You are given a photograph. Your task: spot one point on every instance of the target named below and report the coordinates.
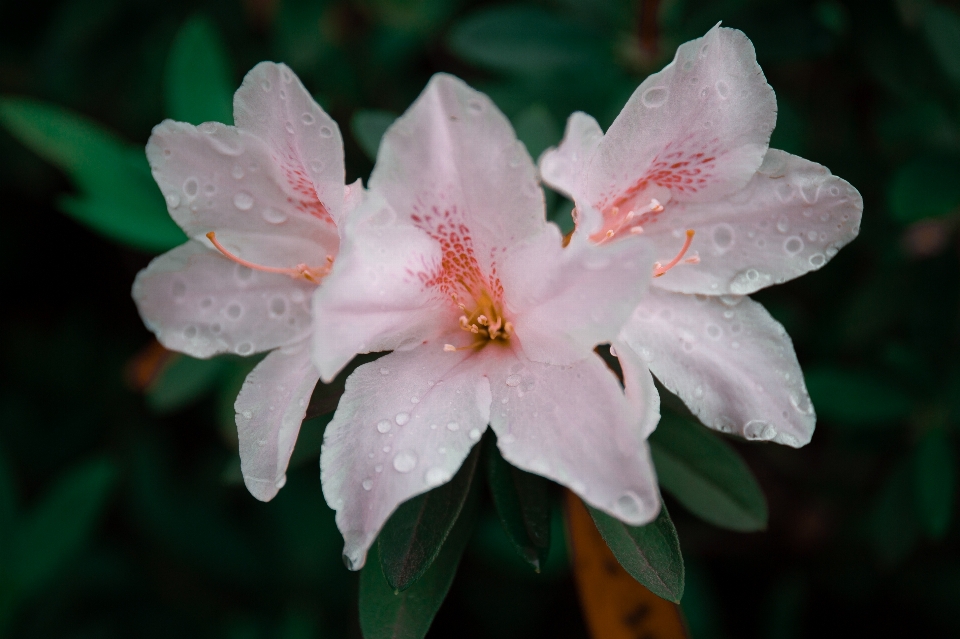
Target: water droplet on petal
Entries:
(628, 505)
(237, 172)
(654, 97)
(723, 89)
(817, 260)
(475, 107)
(234, 311)
(723, 235)
(759, 430)
(404, 461)
(513, 380)
(274, 216)
(367, 484)
(278, 306)
(474, 434)
(402, 418)
(453, 426)
(384, 426)
(243, 201)
(326, 132)
(243, 348)
(173, 200)
(436, 476)
(307, 118)
(191, 187)
(384, 371)
(793, 245)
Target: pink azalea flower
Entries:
(451, 265)
(686, 165)
(261, 202)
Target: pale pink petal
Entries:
(376, 298)
(565, 301)
(730, 362)
(404, 425)
(638, 386)
(695, 131)
(453, 166)
(791, 218)
(574, 425)
(200, 303)
(562, 168)
(270, 408)
(304, 141)
(226, 180)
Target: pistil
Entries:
(312, 274)
(659, 269)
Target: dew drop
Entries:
(811, 236)
(234, 311)
(414, 400)
(759, 430)
(278, 306)
(628, 505)
(453, 426)
(289, 127)
(243, 348)
(307, 118)
(404, 461)
(402, 418)
(654, 97)
(817, 260)
(215, 328)
(698, 392)
(367, 484)
(280, 483)
(243, 201)
(474, 434)
(273, 216)
(326, 132)
(714, 331)
(265, 85)
(513, 380)
(209, 189)
(191, 187)
(723, 235)
(475, 107)
(190, 332)
(384, 370)
(723, 89)
(237, 172)
(436, 476)
(173, 200)
(793, 245)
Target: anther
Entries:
(482, 320)
(311, 274)
(660, 269)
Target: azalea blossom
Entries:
(686, 164)
(260, 202)
(451, 264)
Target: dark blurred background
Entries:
(121, 509)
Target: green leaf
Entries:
(387, 614)
(118, 196)
(942, 27)
(856, 398)
(707, 475)
(537, 129)
(368, 127)
(57, 527)
(522, 501)
(413, 536)
(651, 553)
(522, 40)
(199, 84)
(892, 522)
(925, 187)
(182, 381)
(934, 481)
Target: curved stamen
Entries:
(660, 269)
(301, 271)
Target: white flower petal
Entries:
(452, 165)
(273, 104)
(791, 218)
(567, 300)
(697, 129)
(270, 408)
(563, 167)
(573, 424)
(200, 303)
(730, 362)
(404, 425)
(375, 298)
(638, 387)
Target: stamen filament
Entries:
(659, 269)
(311, 274)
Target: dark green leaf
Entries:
(892, 523)
(183, 380)
(413, 536)
(57, 527)
(934, 481)
(525, 40)
(537, 129)
(387, 614)
(856, 398)
(942, 27)
(925, 187)
(651, 553)
(707, 475)
(368, 127)
(522, 500)
(119, 198)
(199, 84)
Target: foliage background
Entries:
(120, 510)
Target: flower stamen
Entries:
(659, 269)
(312, 274)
